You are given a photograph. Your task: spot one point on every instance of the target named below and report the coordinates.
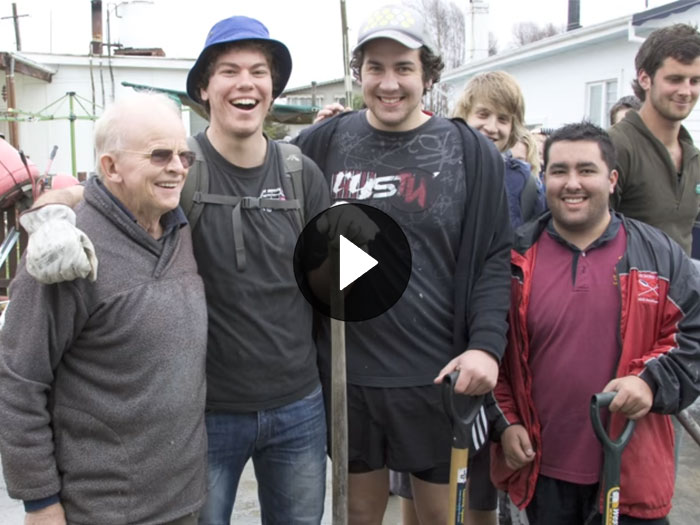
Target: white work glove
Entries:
(57, 251)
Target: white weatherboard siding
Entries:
(555, 87)
(73, 74)
(554, 73)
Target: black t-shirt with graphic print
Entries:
(260, 350)
(416, 177)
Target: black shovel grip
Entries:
(461, 409)
(603, 400)
(612, 452)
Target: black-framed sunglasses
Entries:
(162, 156)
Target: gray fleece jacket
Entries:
(102, 385)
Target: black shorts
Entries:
(482, 494)
(405, 429)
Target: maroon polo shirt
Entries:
(573, 325)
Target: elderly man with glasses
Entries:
(102, 379)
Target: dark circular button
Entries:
(356, 247)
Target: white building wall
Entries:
(554, 81)
(555, 87)
(38, 137)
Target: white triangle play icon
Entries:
(354, 263)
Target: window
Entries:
(304, 100)
(600, 97)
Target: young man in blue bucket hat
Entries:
(263, 392)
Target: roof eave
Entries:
(25, 66)
(556, 44)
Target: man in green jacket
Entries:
(657, 163)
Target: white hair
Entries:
(116, 120)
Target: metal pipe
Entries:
(71, 118)
(690, 425)
(109, 57)
(96, 27)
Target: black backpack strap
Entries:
(197, 181)
(238, 204)
(528, 198)
(293, 169)
(472, 160)
(195, 194)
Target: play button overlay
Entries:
(357, 254)
(354, 263)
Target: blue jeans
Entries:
(288, 447)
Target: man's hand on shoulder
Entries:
(51, 515)
(517, 447)
(478, 372)
(634, 396)
(57, 251)
(331, 110)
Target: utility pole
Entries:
(15, 17)
(346, 56)
(10, 79)
(11, 99)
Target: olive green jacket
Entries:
(649, 188)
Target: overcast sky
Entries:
(310, 28)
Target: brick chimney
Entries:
(96, 42)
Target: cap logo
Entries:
(390, 17)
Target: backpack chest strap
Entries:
(239, 203)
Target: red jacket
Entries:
(660, 343)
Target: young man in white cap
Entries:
(443, 184)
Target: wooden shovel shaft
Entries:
(458, 483)
(339, 424)
(339, 405)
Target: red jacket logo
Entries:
(648, 288)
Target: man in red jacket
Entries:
(600, 303)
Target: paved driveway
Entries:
(686, 503)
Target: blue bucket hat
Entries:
(237, 29)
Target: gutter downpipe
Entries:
(632, 35)
(72, 118)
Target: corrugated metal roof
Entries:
(284, 113)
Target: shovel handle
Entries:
(612, 450)
(461, 409)
(603, 400)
